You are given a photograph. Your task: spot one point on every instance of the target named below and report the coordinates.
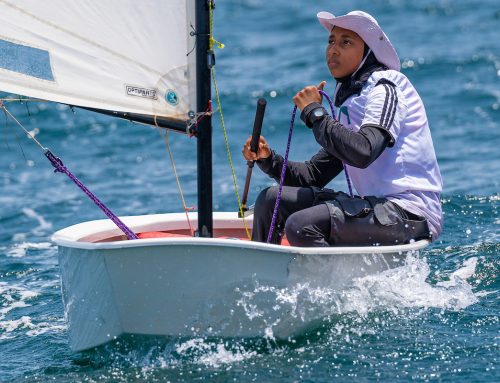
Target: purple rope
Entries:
(57, 163)
(283, 170)
(285, 160)
(348, 179)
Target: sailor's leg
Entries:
(389, 225)
(309, 227)
(292, 200)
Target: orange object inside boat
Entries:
(167, 234)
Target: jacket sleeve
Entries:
(318, 171)
(358, 149)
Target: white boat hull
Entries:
(192, 286)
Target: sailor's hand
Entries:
(308, 95)
(263, 152)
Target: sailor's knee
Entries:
(266, 198)
(294, 229)
(337, 220)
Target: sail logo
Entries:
(141, 92)
(171, 97)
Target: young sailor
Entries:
(382, 138)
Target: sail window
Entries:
(26, 60)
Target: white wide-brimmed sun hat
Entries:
(368, 29)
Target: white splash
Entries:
(466, 271)
(43, 225)
(407, 287)
(213, 354)
(298, 306)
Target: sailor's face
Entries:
(344, 52)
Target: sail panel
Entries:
(117, 55)
(25, 60)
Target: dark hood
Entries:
(350, 84)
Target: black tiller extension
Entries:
(254, 147)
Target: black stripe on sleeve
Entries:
(391, 120)
(382, 117)
(390, 104)
(386, 111)
(391, 108)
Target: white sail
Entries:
(117, 55)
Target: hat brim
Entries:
(369, 31)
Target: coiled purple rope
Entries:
(59, 166)
(285, 160)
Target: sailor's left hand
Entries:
(308, 95)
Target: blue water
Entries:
(435, 319)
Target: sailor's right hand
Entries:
(263, 152)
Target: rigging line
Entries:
(28, 133)
(212, 40)
(18, 141)
(207, 112)
(19, 144)
(282, 178)
(198, 117)
(27, 108)
(186, 209)
(6, 128)
(192, 33)
(59, 166)
(228, 151)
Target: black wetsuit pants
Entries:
(311, 217)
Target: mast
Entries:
(204, 128)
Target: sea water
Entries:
(434, 319)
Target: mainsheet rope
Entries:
(285, 160)
(219, 106)
(59, 167)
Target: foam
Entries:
(466, 271)
(14, 297)
(43, 225)
(25, 323)
(392, 290)
(19, 250)
(213, 354)
(407, 287)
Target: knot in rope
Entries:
(55, 161)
